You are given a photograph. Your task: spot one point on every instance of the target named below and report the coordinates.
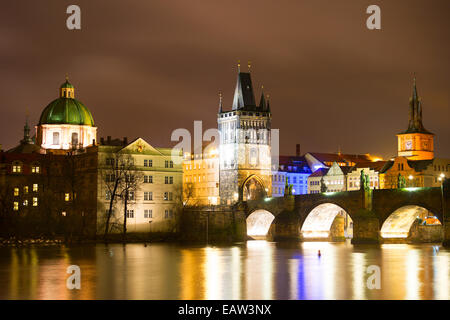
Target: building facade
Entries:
(201, 177)
(296, 170)
(155, 195)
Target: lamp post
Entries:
(411, 181)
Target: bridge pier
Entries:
(366, 229)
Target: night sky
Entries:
(145, 68)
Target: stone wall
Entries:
(425, 234)
(218, 224)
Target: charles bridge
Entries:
(368, 210)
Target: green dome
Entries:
(66, 111)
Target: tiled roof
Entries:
(319, 172)
(331, 157)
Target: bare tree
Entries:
(113, 174)
(129, 187)
(188, 195)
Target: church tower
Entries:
(245, 158)
(416, 143)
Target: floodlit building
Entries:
(372, 169)
(245, 152)
(296, 170)
(155, 195)
(201, 177)
(316, 179)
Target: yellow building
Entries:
(416, 143)
(201, 177)
(417, 173)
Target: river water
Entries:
(250, 270)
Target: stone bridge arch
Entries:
(387, 201)
(402, 222)
(326, 221)
(258, 223)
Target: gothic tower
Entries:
(245, 158)
(416, 143)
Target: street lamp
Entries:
(410, 180)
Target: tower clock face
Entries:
(408, 145)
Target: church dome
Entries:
(66, 109)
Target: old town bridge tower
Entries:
(245, 153)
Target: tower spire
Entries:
(262, 101)
(239, 66)
(26, 130)
(220, 102)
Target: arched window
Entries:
(74, 139)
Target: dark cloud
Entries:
(145, 68)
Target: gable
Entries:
(140, 146)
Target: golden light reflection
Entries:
(293, 278)
(359, 275)
(412, 275)
(213, 288)
(259, 270)
(441, 269)
(236, 278)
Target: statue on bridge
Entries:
(401, 181)
(288, 188)
(364, 181)
(323, 186)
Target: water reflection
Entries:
(253, 270)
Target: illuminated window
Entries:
(17, 167)
(16, 192)
(35, 169)
(130, 213)
(25, 189)
(35, 187)
(148, 214)
(67, 197)
(35, 202)
(148, 179)
(148, 196)
(55, 138)
(63, 213)
(16, 206)
(25, 203)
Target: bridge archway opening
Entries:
(399, 222)
(327, 221)
(253, 189)
(258, 223)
